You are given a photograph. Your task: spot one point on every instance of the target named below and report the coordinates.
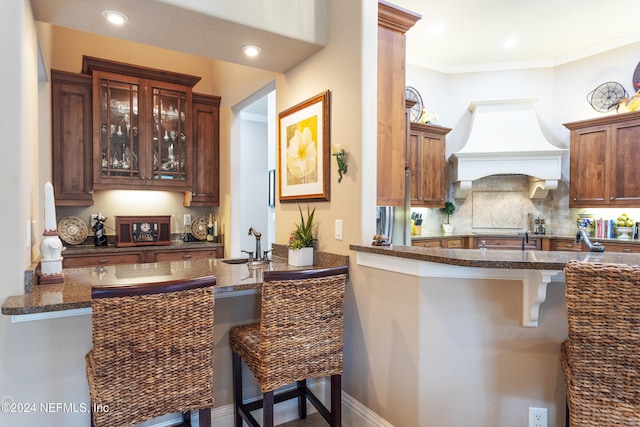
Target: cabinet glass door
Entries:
(119, 145)
(170, 138)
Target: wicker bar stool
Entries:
(600, 360)
(299, 336)
(152, 352)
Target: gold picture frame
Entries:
(304, 151)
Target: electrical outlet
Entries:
(538, 417)
(187, 219)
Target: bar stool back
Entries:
(152, 351)
(600, 359)
(299, 336)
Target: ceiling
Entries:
(549, 32)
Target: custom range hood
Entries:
(506, 139)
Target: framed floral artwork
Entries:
(304, 151)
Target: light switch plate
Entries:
(338, 229)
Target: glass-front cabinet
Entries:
(142, 128)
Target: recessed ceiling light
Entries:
(510, 42)
(115, 17)
(251, 50)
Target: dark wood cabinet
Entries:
(206, 145)
(71, 139)
(566, 245)
(605, 153)
(393, 23)
(534, 243)
(448, 242)
(73, 261)
(186, 255)
(426, 160)
(140, 256)
(121, 126)
(142, 129)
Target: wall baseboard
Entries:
(354, 413)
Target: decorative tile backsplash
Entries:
(501, 203)
(497, 210)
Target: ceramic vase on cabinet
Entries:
(301, 257)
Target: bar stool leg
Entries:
(205, 417)
(186, 419)
(302, 399)
(336, 400)
(267, 409)
(236, 363)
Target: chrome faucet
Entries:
(593, 247)
(257, 235)
(525, 238)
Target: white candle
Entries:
(50, 222)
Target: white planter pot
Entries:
(447, 228)
(301, 257)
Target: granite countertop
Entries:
(497, 258)
(75, 292)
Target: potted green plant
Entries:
(448, 210)
(302, 240)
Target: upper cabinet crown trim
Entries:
(395, 17)
(90, 63)
(604, 120)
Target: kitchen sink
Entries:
(235, 260)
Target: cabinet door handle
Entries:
(187, 256)
(626, 249)
(611, 198)
(103, 261)
(575, 198)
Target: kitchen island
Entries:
(449, 322)
(534, 268)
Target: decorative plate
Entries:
(199, 228)
(72, 230)
(636, 78)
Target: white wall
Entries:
(39, 362)
(254, 177)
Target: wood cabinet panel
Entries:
(569, 245)
(621, 247)
(71, 139)
(426, 160)
(189, 254)
(102, 259)
(454, 243)
(393, 22)
(431, 243)
(206, 143)
(140, 256)
(507, 243)
(604, 156)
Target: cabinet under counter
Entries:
(88, 256)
